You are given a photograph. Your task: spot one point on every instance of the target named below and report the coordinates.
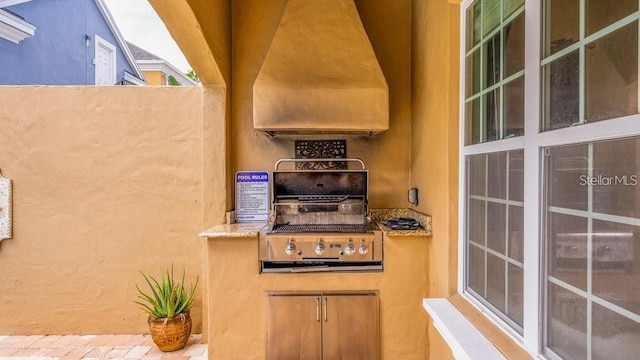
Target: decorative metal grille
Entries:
(321, 149)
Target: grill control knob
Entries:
(604, 250)
(319, 249)
(363, 249)
(290, 249)
(349, 249)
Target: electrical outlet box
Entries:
(413, 196)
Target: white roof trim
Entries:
(167, 68)
(15, 29)
(134, 80)
(116, 32)
(5, 3)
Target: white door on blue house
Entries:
(105, 62)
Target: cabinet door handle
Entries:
(318, 309)
(325, 309)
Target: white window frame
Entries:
(100, 42)
(532, 142)
(508, 144)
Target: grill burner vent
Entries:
(323, 198)
(321, 228)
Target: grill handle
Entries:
(328, 159)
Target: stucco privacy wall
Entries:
(202, 30)
(107, 181)
(387, 155)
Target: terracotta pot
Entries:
(170, 334)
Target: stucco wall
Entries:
(434, 164)
(416, 42)
(434, 151)
(387, 155)
(107, 181)
(238, 297)
(58, 53)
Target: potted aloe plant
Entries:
(168, 304)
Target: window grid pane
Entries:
(474, 25)
(510, 6)
(611, 74)
(600, 13)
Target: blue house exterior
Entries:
(75, 42)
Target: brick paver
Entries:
(94, 347)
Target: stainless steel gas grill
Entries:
(319, 221)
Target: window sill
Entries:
(469, 333)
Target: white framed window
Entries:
(550, 173)
(493, 158)
(105, 62)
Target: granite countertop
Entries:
(235, 230)
(378, 215)
(248, 230)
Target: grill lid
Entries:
(330, 185)
(320, 200)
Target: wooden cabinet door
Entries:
(294, 327)
(351, 327)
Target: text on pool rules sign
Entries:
(252, 196)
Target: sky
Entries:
(140, 25)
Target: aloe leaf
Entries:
(182, 302)
(171, 306)
(147, 299)
(147, 309)
(155, 301)
(162, 298)
(155, 294)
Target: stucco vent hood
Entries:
(320, 74)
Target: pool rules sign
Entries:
(252, 196)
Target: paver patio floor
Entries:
(95, 347)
